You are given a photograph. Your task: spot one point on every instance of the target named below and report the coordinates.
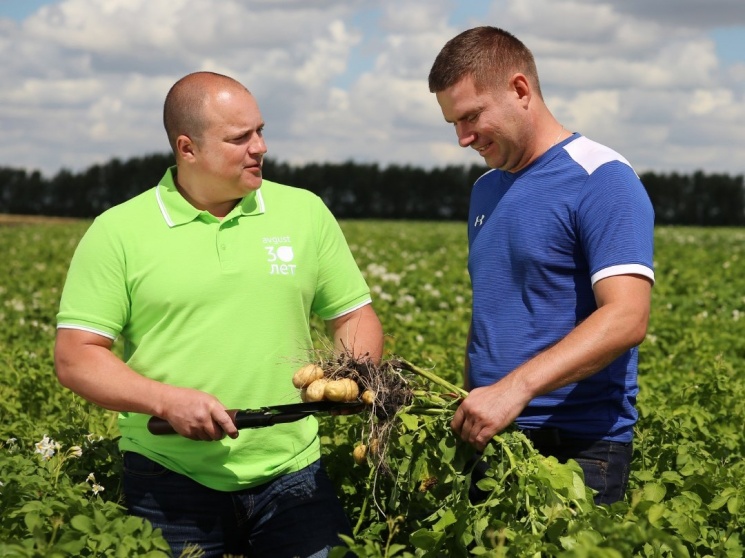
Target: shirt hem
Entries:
(626, 269)
(88, 329)
(350, 310)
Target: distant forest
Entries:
(355, 191)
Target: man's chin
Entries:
(254, 185)
(253, 178)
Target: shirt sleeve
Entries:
(94, 297)
(616, 223)
(341, 288)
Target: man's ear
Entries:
(185, 148)
(520, 85)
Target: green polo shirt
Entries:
(222, 306)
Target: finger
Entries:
(457, 423)
(481, 439)
(466, 432)
(464, 429)
(214, 432)
(224, 424)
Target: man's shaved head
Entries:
(183, 110)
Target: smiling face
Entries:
(495, 122)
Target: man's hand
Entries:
(487, 411)
(197, 415)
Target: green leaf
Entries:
(83, 523)
(487, 484)
(395, 548)
(655, 513)
(426, 540)
(577, 489)
(33, 522)
(448, 518)
(106, 540)
(71, 543)
(645, 476)
(448, 447)
(721, 499)
(654, 492)
(685, 526)
(411, 422)
(733, 505)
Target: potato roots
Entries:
(381, 387)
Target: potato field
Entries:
(60, 466)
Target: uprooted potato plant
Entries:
(384, 390)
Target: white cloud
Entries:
(83, 81)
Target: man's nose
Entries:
(465, 136)
(257, 146)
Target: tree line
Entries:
(355, 191)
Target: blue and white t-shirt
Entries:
(538, 241)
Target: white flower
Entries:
(91, 478)
(47, 447)
(96, 488)
(405, 299)
(76, 451)
(16, 304)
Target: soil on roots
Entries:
(391, 391)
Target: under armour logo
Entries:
(479, 221)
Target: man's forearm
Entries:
(85, 364)
(590, 347)
(359, 333)
(96, 374)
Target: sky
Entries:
(83, 81)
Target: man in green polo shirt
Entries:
(211, 278)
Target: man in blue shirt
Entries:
(560, 257)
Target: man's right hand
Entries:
(197, 415)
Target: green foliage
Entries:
(688, 477)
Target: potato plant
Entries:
(59, 465)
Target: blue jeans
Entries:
(606, 465)
(295, 515)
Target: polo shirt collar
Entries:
(177, 211)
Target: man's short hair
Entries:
(488, 54)
(183, 110)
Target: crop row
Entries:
(59, 464)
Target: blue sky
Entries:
(83, 80)
(20, 9)
(730, 43)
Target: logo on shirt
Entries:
(279, 255)
(479, 221)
